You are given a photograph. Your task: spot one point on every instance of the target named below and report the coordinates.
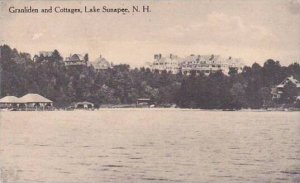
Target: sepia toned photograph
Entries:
(150, 91)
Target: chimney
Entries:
(157, 56)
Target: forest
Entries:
(121, 84)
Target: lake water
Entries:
(149, 145)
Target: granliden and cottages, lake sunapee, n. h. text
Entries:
(85, 9)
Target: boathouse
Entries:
(30, 101)
(84, 105)
(35, 101)
(143, 102)
(9, 102)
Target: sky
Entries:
(254, 30)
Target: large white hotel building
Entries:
(198, 63)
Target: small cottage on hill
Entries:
(75, 60)
(101, 64)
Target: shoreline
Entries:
(161, 109)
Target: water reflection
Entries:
(149, 146)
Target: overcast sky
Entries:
(253, 30)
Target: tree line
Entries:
(121, 84)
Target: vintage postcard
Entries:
(150, 91)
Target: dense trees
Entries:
(122, 85)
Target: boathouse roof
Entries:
(34, 98)
(84, 103)
(10, 99)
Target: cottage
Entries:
(101, 64)
(75, 60)
(289, 88)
